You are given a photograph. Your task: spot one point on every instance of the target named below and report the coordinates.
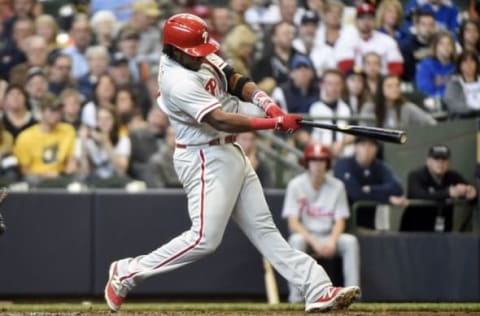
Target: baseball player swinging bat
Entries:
(387, 135)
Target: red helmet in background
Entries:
(189, 33)
(316, 151)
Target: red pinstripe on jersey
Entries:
(200, 235)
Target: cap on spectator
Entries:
(365, 8)
(310, 17)
(362, 139)
(200, 10)
(118, 59)
(128, 33)
(439, 152)
(35, 71)
(299, 60)
(147, 7)
(49, 101)
(355, 71)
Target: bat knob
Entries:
(403, 138)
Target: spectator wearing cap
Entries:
(37, 89)
(418, 45)
(47, 149)
(36, 51)
(329, 107)
(238, 48)
(145, 14)
(356, 93)
(128, 46)
(301, 90)
(59, 75)
(368, 179)
(436, 182)
(392, 110)
(81, 36)
(120, 72)
(13, 52)
(352, 45)
(305, 39)
(389, 20)
(273, 68)
(17, 116)
(445, 12)
(98, 60)
(326, 38)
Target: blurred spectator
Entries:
(20, 9)
(262, 12)
(80, 34)
(289, 11)
(418, 45)
(13, 52)
(143, 20)
(127, 110)
(273, 68)
(46, 27)
(8, 162)
(121, 8)
(305, 40)
(120, 72)
(445, 12)
(352, 45)
(59, 77)
(104, 151)
(98, 60)
(389, 20)
(221, 23)
(17, 116)
(433, 72)
(146, 141)
(331, 105)
(368, 179)
(469, 36)
(462, 94)
(72, 106)
(238, 9)
(37, 88)
(238, 47)
(248, 142)
(5, 11)
(372, 66)
(326, 38)
(104, 27)
(128, 46)
(47, 149)
(160, 171)
(356, 93)
(435, 182)
(103, 96)
(474, 9)
(301, 90)
(316, 207)
(36, 53)
(392, 110)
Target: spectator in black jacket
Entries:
(368, 179)
(435, 182)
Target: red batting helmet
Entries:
(189, 33)
(316, 151)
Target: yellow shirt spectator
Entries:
(41, 153)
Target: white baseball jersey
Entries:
(351, 46)
(317, 209)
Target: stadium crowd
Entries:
(78, 87)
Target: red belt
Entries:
(214, 142)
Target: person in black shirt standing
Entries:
(435, 182)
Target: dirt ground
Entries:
(240, 313)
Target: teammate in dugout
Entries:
(316, 207)
(201, 95)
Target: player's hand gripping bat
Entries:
(383, 134)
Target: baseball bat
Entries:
(270, 283)
(383, 134)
